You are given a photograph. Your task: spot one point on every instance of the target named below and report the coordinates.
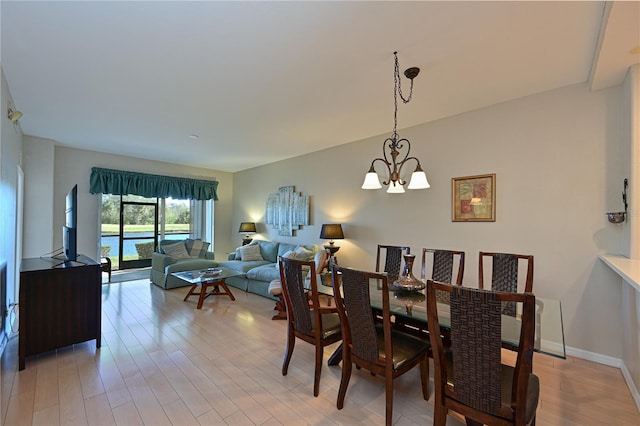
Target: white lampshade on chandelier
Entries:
(394, 145)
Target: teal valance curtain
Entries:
(120, 182)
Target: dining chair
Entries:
(381, 350)
(471, 379)
(307, 320)
(504, 271)
(392, 260)
(275, 286)
(443, 263)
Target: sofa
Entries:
(179, 256)
(260, 273)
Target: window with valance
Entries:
(120, 182)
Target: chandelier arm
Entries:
(401, 165)
(387, 165)
(400, 145)
(392, 145)
(418, 165)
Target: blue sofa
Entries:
(163, 265)
(260, 273)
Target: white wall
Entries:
(550, 152)
(38, 155)
(630, 297)
(10, 159)
(73, 166)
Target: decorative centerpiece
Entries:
(210, 272)
(409, 298)
(407, 281)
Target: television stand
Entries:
(59, 306)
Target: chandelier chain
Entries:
(397, 90)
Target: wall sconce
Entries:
(619, 217)
(394, 144)
(14, 116)
(248, 228)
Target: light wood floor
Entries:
(164, 362)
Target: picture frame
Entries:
(473, 198)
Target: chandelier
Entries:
(395, 145)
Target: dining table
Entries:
(409, 309)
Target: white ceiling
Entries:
(263, 81)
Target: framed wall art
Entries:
(473, 198)
(287, 211)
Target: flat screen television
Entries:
(69, 232)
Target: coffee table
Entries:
(205, 278)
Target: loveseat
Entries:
(260, 272)
(179, 256)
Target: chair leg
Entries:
(424, 377)
(439, 412)
(318, 369)
(291, 342)
(389, 398)
(281, 308)
(344, 381)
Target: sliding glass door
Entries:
(138, 231)
(132, 226)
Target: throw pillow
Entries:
(292, 255)
(188, 243)
(197, 248)
(177, 251)
(239, 254)
(303, 254)
(250, 252)
(289, 255)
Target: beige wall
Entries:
(10, 160)
(38, 155)
(630, 313)
(73, 166)
(553, 154)
(556, 158)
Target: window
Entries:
(131, 226)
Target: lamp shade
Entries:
(419, 180)
(247, 227)
(395, 188)
(371, 181)
(331, 231)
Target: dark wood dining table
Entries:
(410, 311)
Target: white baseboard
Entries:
(632, 387)
(612, 362)
(594, 357)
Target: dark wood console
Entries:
(60, 304)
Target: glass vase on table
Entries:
(407, 281)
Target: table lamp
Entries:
(247, 228)
(331, 231)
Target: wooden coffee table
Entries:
(203, 279)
